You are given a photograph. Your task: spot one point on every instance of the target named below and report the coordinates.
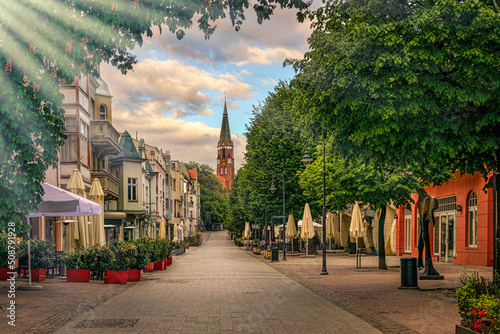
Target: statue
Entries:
(426, 207)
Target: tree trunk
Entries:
(381, 239)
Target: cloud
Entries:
(269, 82)
(175, 88)
(186, 141)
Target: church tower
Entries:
(225, 156)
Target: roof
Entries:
(225, 133)
(127, 146)
(193, 174)
(222, 180)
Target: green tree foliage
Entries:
(212, 195)
(351, 180)
(273, 147)
(408, 84)
(44, 43)
(234, 218)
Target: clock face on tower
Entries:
(223, 163)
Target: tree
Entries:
(353, 180)
(274, 145)
(234, 220)
(211, 193)
(411, 84)
(60, 40)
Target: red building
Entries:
(225, 156)
(463, 232)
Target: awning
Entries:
(115, 215)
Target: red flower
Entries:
(473, 311)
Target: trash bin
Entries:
(409, 273)
(274, 254)
(352, 248)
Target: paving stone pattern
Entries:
(217, 288)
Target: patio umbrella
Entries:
(291, 229)
(179, 232)
(163, 230)
(356, 229)
(96, 229)
(78, 233)
(307, 231)
(248, 233)
(330, 234)
(59, 202)
(176, 234)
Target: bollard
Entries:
(409, 273)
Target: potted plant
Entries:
(78, 265)
(139, 259)
(479, 305)
(42, 257)
(4, 257)
(118, 263)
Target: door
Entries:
(447, 236)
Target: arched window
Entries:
(225, 170)
(472, 228)
(103, 112)
(221, 171)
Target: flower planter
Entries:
(77, 275)
(169, 261)
(177, 251)
(463, 330)
(150, 267)
(165, 263)
(160, 265)
(38, 275)
(116, 277)
(4, 273)
(134, 275)
(256, 250)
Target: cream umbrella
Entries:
(163, 230)
(291, 229)
(330, 232)
(248, 233)
(176, 234)
(356, 229)
(307, 231)
(77, 238)
(96, 229)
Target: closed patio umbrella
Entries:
(163, 229)
(307, 231)
(291, 229)
(96, 229)
(330, 234)
(356, 229)
(248, 233)
(77, 237)
(176, 234)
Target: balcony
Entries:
(110, 184)
(104, 137)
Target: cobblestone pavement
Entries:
(216, 288)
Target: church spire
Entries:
(225, 133)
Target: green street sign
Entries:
(277, 217)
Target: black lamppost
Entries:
(306, 160)
(273, 189)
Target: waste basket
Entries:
(274, 254)
(352, 248)
(409, 273)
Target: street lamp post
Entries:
(273, 189)
(306, 160)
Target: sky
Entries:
(174, 97)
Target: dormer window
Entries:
(103, 110)
(228, 160)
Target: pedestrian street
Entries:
(216, 288)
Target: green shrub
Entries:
(4, 250)
(71, 260)
(140, 257)
(42, 252)
(479, 304)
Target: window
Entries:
(221, 171)
(228, 160)
(472, 228)
(191, 214)
(132, 189)
(68, 151)
(102, 112)
(225, 170)
(70, 124)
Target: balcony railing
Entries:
(110, 184)
(104, 137)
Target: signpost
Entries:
(279, 217)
